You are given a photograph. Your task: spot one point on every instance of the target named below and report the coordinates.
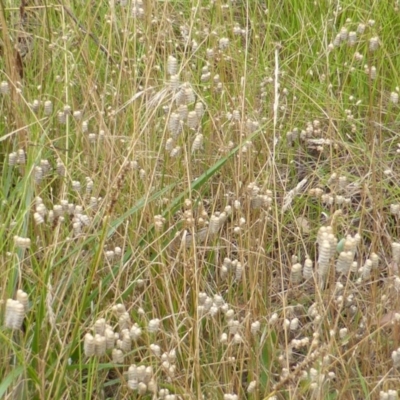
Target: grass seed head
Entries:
(89, 345)
(4, 88)
(23, 243)
(15, 314)
(394, 97)
(172, 65)
(374, 43)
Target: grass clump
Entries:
(199, 200)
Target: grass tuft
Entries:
(199, 201)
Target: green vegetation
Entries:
(199, 200)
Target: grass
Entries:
(162, 269)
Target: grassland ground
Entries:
(199, 199)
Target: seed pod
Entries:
(343, 33)
(210, 53)
(172, 65)
(133, 384)
(175, 152)
(124, 320)
(375, 260)
(205, 77)
(93, 203)
(394, 97)
(23, 243)
(12, 159)
(21, 157)
(60, 168)
(223, 43)
(234, 326)
(45, 165)
(366, 270)
(223, 272)
(77, 115)
(35, 106)
(295, 273)
(4, 87)
(100, 326)
(323, 258)
(294, 324)
(76, 185)
(22, 297)
(110, 338)
(337, 40)
(199, 108)
(192, 120)
(352, 38)
(154, 325)
(197, 143)
(126, 342)
(238, 271)
(189, 95)
(85, 126)
(62, 118)
(255, 327)
(142, 388)
(100, 345)
(155, 349)
(174, 125)
(38, 174)
(308, 269)
(396, 252)
(344, 262)
(15, 314)
(38, 218)
(174, 82)
(373, 43)
(372, 72)
(152, 387)
(214, 225)
(361, 28)
(117, 356)
(135, 332)
(252, 387)
(169, 144)
(183, 112)
(132, 373)
(89, 345)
